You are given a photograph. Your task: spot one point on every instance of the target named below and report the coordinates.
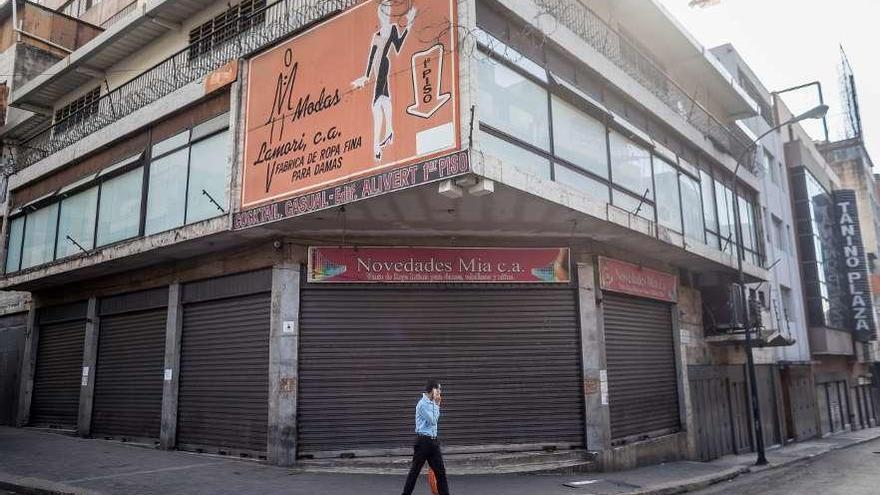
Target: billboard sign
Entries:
(372, 89)
(438, 265)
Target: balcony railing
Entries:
(582, 21)
(264, 27)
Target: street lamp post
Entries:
(758, 428)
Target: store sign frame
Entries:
(859, 304)
(394, 180)
(372, 89)
(413, 265)
(634, 280)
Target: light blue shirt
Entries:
(427, 415)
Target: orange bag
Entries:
(432, 481)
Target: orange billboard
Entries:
(372, 89)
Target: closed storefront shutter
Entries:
(642, 377)
(508, 359)
(131, 359)
(834, 403)
(12, 336)
(57, 377)
(223, 401)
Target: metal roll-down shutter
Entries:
(223, 398)
(12, 338)
(640, 356)
(131, 358)
(508, 359)
(57, 377)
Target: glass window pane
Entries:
(708, 202)
(513, 155)
(77, 221)
(167, 192)
(630, 204)
(13, 249)
(723, 198)
(39, 236)
(630, 165)
(168, 144)
(581, 182)
(691, 208)
(511, 103)
(746, 223)
(669, 203)
(209, 172)
(120, 210)
(579, 138)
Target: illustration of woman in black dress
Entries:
(379, 66)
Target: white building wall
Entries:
(775, 203)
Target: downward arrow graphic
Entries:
(427, 73)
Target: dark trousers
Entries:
(426, 449)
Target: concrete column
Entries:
(90, 361)
(685, 408)
(28, 367)
(597, 433)
(283, 359)
(173, 331)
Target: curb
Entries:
(693, 484)
(38, 486)
(811, 457)
(699, 483)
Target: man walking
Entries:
(427, 447)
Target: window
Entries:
(77, 111)
(779, 235)
(187, 177)
(13, 250)
(224, 26)
(726, 233)
(787, 303)
(76, 225)
(633, 205)
(579, 138)
(770, 164)
(669, 202)
(208, 178)
(581, 182)
(709, 218)
(120, 209)
(516, 156)
(167, 192)
(630, 165)
(513, 104)
(39, 237)
(691, 208)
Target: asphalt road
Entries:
(851, 471)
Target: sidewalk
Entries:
(47, 463)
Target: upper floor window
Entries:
(77, 111)
(225, 25)
(185, 182)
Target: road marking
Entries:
(135, 473)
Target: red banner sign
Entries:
(627, 278)
(438, 265)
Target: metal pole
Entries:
(750, 358)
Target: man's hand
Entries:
(359, 82)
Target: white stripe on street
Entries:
(135, 473)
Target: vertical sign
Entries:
(855, 276)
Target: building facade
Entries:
(263, 244)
